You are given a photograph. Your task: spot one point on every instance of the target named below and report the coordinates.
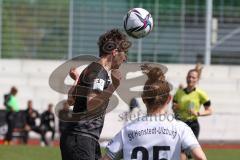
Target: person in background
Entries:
(188, 101)
(134, 111)
(133, 104)
(31, 117)
(12, 107)
(48, 122)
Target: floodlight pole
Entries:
(156, 25)
(183, 13)
(70, 29)
(207, 59)
(139, 55)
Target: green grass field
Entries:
(29, 153)
(53, 153)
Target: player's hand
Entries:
(175, 107)
(116, 77)
(192, 112)
(73, 73)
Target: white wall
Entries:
(222, 83)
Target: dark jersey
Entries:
(31, 117)
(94, 78)
(47, 119)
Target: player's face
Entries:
(192, 79)
(30, 104)
(119, 58)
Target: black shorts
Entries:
(194, 125)
(78, 147)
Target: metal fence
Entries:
(50, 29)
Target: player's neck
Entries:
(156, 111)
(190, 88)
(105, 63)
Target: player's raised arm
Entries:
(72, 92)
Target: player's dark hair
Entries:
(50, 105)
(156, 89)
(13, 90)
(113, 39)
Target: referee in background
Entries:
(188, 101)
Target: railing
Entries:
(40, 29)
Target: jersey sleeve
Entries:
(114, 149)
(188, 139)
(98, 84)
(203, 96)
(96, 78)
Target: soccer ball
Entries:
(138, 23)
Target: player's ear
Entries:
(169, 99)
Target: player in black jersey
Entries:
(91, 91)
(31, 116)
(48, 122)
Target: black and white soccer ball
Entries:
(138, 23)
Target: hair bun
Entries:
(198, 68)
(154, 73)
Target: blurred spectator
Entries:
(12, 107)
(134, 104)
(32, 116)
(134, 111)
(48, 121)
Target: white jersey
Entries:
(149, 138)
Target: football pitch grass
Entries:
(53, 153)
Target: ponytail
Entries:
(156, 89)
